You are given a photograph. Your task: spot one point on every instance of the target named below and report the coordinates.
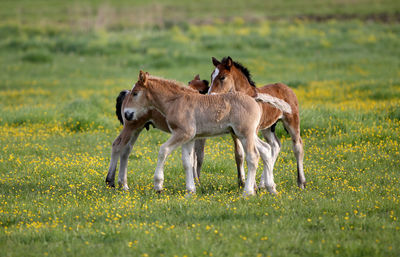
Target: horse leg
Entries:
(123, 163)
(198, 157)
(266, 155)
(188, 165)
(239, 158)
(252, 157)
(275, 144)
(110, 179)
(297, 145)
(118, 146)
(171, 144)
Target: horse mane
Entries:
(118, 105)
(243, 69)
(177, 86)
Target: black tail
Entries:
(118, 105)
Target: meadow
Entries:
(64, 63)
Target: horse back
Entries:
(281, 91)
(209, 114)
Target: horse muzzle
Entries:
(129, 115)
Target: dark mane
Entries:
(244, 70)
(118, 105)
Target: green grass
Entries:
(65, 63)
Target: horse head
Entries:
(136, 102)
(199, 85)
(230, 76)
(222, 78)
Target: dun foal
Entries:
(123, 144)
(230, 76)
(190, 116)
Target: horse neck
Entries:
(161, 95)
(242, 84)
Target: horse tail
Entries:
(118, 105)
(274, 101)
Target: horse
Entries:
(123, 144)
(190, 116)
(231, 76)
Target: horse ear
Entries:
(229, 63)
(143, 76)
(215, 61)
(197, 77)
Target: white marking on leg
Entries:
(252, 157)
(165, 150)
(266, 156)
(273, 141)
(187, 160)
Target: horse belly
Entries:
(270, 115)
(210, 130)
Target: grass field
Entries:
(63, 64)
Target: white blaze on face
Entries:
(213, 76)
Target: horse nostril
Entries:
(128, 115)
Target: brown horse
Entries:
(190, 116)
(199, 85)
(230, 76)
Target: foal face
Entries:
(136, 103)
(221, 78)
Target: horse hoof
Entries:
(125, 188)
(302, 185)
(189, 194)
(248, 193)
(110, 184)
(272, 190)
(197, 182)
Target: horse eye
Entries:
(222, 78)
(134, 93)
